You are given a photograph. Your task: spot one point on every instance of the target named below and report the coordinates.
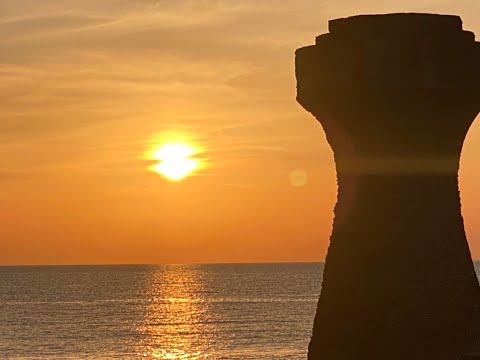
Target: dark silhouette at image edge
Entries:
(396, 95)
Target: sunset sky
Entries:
(88, 88)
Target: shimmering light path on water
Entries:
(248, 311)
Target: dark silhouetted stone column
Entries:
(396, 95)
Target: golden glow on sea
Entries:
(184, 331)
(176, 161)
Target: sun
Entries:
(176, 161)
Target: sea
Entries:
(216, 311)
(234, 311)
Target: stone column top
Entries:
(379, 83)
(400, 23)
(393, 52)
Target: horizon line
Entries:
(167, 264)
(173, 264)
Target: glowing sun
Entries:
(175, 161)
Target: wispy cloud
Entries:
(110, 74)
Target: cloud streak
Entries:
(110, 74)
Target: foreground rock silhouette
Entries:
(396, 95)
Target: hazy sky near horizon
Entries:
(86, 87)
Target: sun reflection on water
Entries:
(176, 319)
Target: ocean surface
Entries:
(235, 311)
(244, 311)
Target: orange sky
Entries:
(87, 86)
